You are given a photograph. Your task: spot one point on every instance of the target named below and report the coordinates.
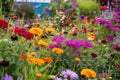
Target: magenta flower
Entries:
(58, 39)
(110, 38)
(78, 44)
(117, 16)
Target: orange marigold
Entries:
(38, 75)
(37, 61)
(77, 59)
(89, 73)
(48, 60)
(58, 50)
(36, 31)
(22, 56)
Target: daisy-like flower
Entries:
(36, 31)
(58, 50)
(88, 73)
(43, 43)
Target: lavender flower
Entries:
(58, 39)
(69, 74)
(58, 78)
(19, 78)
(7, 77)
(74, 4)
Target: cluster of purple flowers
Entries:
(8, 77)
(117, 16)
(108, 24)
(76, 44)
(67, 74)
(58, 39)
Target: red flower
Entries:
(103, 8)
(22, 32)
(3, 24)
(118, 66)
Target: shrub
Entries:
(87, 7)
(5, 6)
(27, 10)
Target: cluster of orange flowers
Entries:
(35, 60)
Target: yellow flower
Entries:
(30, 57)
(37, 61)
(33, 53)
(77, 59)
(52, 76)
(36, 31)
(58, 50)
(38, 75)
(50, 30)
(89, 73)
(42, 43)
(103, 79)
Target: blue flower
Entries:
(82, 17)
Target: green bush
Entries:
(5, 7)
(87, 7)
(26, 8)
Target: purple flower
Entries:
(58, 78)
(87, 44)
(116, 47)
(53, 46)
(19, 78)
(74, 4)
(7, 77)
(117, 16)
(101, 74)
(69, 74)
(110, 38)
(58, 39)
(66, 11)
(78, 43)
(108, 24)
